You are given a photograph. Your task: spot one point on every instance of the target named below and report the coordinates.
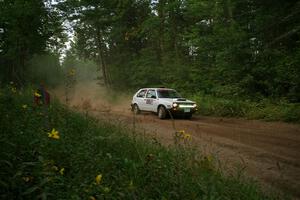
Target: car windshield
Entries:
(168, 94)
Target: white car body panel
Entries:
(146, 103)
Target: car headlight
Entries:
(194, 105)
(175, 105)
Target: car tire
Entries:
(162, 113)
(136, 109)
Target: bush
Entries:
(266, 109)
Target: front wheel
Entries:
(162, 113)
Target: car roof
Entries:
(161, 88)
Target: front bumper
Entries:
(182, 111)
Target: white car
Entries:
(163, 101)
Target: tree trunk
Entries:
(161, 16)
(101, 60)
(228, 10)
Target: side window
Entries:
(141, 94)
(150, 93)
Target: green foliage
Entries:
(196, 45)
(96, 159)
(45, 68)
(223, 49)
(276, 110)
(85, 70)
(29, 28)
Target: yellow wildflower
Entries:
(24, 106)
(209, 158)
(186, 136)
(92, 198)
(36, 94)
(61, 171)
(72, 72)
(98, 179)
(54, 134)
(182, 132)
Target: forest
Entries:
(69, 69)
(229, 49)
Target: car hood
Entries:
(177, 100)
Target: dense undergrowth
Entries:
(266, 109)
(82, 158)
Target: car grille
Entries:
(185, 105)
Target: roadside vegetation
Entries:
(265, 109)
(55, 153)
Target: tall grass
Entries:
(265, 109)
(90, 159)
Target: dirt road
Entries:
(267, 151)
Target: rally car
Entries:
(162, 101)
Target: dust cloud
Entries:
(90, 96)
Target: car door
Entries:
(151, 100)
(140, 99)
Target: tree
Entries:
(230, 48)
(28, 27)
